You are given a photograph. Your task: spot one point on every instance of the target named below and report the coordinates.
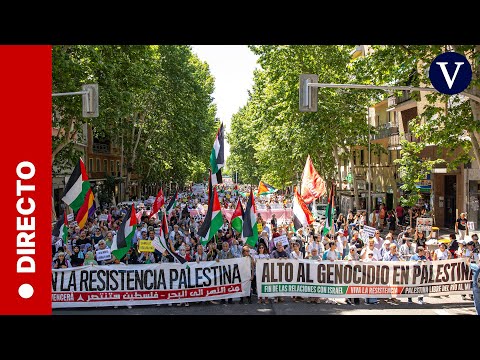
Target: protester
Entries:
(419, 257)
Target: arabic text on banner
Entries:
(362, 279)
(117, 285)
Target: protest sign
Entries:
(424, 224)
(103, 217)
(145, 246)
(70, 217)
(370, 231)
(471, 225)
(103, 254)
(122, 285)
(393, 279)
(282, 238)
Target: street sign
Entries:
(90, 101)
(308, 96)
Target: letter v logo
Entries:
(445, 72)
(450, 73)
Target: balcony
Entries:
(384, 131)
(101, 148)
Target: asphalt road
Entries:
(452, 305)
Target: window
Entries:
(90, 164)
(112, 167)
(390, 157)
(118, 167)
(361, 157)
(98, 165)
(105, 165)
(354, 157)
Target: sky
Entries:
(232, 67)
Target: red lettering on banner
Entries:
(26, 93)
(172, 295)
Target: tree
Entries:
(450, 122)
(270, 139)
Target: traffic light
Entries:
(308, 95)
(90, 100)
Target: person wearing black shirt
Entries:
(461, 226)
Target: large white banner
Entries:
(357, 279)
(113, 285)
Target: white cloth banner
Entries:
(357, 279)
(122, 285)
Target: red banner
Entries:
(26, 73)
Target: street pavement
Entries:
(452, 305)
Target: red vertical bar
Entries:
(25, 100)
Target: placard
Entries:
(104, 254)
(70, 217)
(471, 225)
(369, 230)
(424, 224)
(145, 246)
(103, 217)
(282, 238)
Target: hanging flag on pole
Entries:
(265, 189)
(172, 204)
(77, 187)
(61, 228)
(158, 203)
(217, 157)
(302, 217)
(237, 218)
(87, 210)
(162, 244)
(213, 220)
(313, 186)
(329, 212)
(122, 242)
(250, 230)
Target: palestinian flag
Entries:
(172, 204)
(237, 218)
(61, 228)
(77, 187)
(217, 157)
(329, 212)
(161, 244)
(265, 189)
(87, 210)
(302, 217)
(158, 204)
(213, 220)
(122, 242)
(250, 230)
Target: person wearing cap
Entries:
(341, 242)
(385, 249)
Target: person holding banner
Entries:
(246, 253)
(474, 266)
(441, 253)
(418, 257)
(61, 262)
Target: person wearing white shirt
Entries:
(378, 240)
(315, 243)
(296, 253)
(441, 253)
(370, 248)
(341, 242)
(406, 249)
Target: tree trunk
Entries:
(122, 183)
(339, 165)
(133, 155)
(67, 138)
(354, 181)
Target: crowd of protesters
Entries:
(347, 241)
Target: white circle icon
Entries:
(25, 291)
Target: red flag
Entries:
(313, 186)
(157, 205)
